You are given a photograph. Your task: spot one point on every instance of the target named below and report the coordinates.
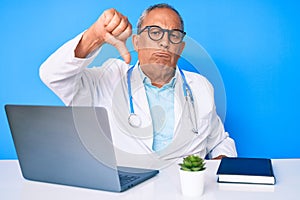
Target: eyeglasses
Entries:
(156, 33)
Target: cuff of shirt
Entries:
(227, 148)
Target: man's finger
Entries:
(126, 33)
(114, 22)
(108, 16)
(121, 27)
(120, 46)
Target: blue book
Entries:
(246, 170)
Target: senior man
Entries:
(154, 107)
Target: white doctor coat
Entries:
(106, 86)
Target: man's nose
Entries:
(164, 42)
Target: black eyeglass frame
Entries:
(163, 33)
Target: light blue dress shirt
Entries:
(161, 104)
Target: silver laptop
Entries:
(70, 146)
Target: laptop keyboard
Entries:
(125, 179)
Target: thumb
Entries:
(121, 47)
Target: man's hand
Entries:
(219, 157)
(112, 28)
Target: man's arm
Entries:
(63, 71)
(112, 28)
(219, 143)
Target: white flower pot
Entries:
(192, 183)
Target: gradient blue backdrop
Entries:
(255, 45)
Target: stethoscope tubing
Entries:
(135, 121)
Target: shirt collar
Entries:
(147, 81)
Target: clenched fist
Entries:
(111, 27)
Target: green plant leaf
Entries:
(196, 168)
(194, 158)
(187, 163)
(185, 169)
(196, 164)
(192, 163)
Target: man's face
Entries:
(161, 52)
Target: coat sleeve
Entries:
(63, 73)
(218, 141)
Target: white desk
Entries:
(165, 185)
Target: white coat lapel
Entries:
(179, 99)
(141, 107)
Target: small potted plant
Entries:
(192, 175)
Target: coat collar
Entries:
(141, 103)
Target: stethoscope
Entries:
(135, 121)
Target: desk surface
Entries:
(166, 185)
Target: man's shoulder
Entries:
(114, 65)
(198, 80)
(117, 63)
(193, 76)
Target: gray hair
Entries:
(161, 5)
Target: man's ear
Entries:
(135, 42)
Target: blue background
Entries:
(255, 45)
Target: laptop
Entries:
(69, 146)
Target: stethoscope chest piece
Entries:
(134, 120)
